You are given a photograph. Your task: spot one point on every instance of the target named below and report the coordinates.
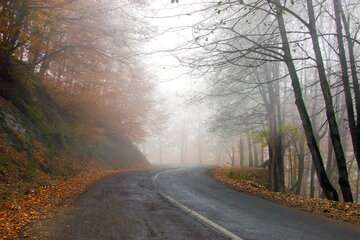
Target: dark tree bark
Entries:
(279, 141)
(312, 181)
(256, 154)
(357, 187)
(271, 98)
(353, 125)
(241, 152)
(250, 151)
(301, 165)
(330, 113)
(291, 174)
(327, 187)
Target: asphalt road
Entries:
(129, 207)
(247, 216)
(123, 207)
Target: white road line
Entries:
(195, 214)
(165, 171)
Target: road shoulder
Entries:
(345, 212)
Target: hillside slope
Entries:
(38, 139)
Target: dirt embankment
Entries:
(39, 138)
(253, 181)
(44, 158)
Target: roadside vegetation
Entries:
(275, 84)
(38, 203)
(254, 181)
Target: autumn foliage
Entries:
(252, 181)
(81, 51)
(43, 201)
(72, 94)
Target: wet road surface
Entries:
(128, 206)
(247, 216)
(123, 207)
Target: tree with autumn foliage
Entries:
(81, 52)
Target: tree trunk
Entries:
(353, 126)
(271, 165)
(272, 103)
(232, 156)
(250, 151)
(241, 152)
(261, 154)
(5, 64)
(330, 113)
(357, 187)
(330, 159)
(312, 181)
(327, 187)
(280, 147)
(301, 165)
(256, 154)
(291, 169)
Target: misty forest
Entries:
(180, 119)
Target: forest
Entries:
(281, 82)
(69, 93)
(176, 101)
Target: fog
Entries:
(183, 138)
(255, 83)
(179, 119)
(267, 84)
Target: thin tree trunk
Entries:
(357, 187)
(312, 181)
(330, 113)
(353, 126)
(329, 190)
(250, 151)
(256, 154)
(261, 154)
(279, 121)
(301, 159)
(291, 168)
(232, 155)
(276, 157)
(271, 165)
(241, 152)
(274, 140)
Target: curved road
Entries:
(247, 216)
(128, 206)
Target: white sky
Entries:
(170, 76)
(174, 85)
